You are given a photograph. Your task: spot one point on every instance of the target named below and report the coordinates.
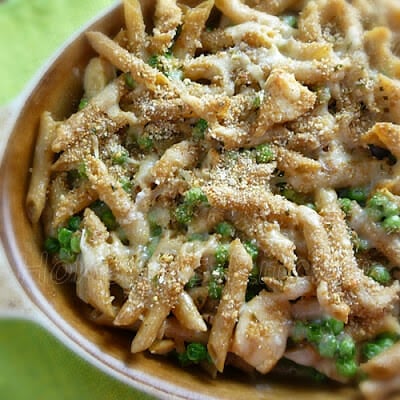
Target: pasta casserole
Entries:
(228, 188)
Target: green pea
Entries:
(75, 243)
(371, 350)
(360, 244)
(379, 274)
(183, 360)
(299, 331)
(195, 196)
(288, 192)
(129, 81)
(264, 154)
(219, 273)
(183, 214)
(257, 101)
(391, 209)
(347, 368)
(120, 157)
(327, 345)
(83, 103)
(378, 200)
(314, 332)
(64, 237)
(105, 214)
(214, 290)
(333, 325)
(154, 61)
(382, 342)
(74, 223)
(195, 280)
(222, 254)
(152, 245)
(155, 230)
(145, 142)
(200, 128)
(387, 339)
(356, 193)
(345, 204)
(168, 54)
(380, 206)
(126, 185)
(225, 229)
(82, 170)
(346, 347)
(391, 224)
(109, 220)
(196, 352)
(385, 343)
(291, 20)
(252, 248)
(52, 245)
(67, 256)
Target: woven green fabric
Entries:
(33, 364)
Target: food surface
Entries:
(228, 187)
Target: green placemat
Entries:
(33, 364)
(31, 30)
(36, 366)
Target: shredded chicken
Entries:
(285, 100)
(262, 331)
(382, 372)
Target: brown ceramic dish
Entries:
(58, 90)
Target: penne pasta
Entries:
(127, 214)
(41, 171)
(188, 315)
(98, 74)
(168, 17)
(147, 333)
(135, 27)
(189, 38)
(122, 59)
(232, 299)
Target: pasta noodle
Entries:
(232, 299)
(228, 190)
(36, 197)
